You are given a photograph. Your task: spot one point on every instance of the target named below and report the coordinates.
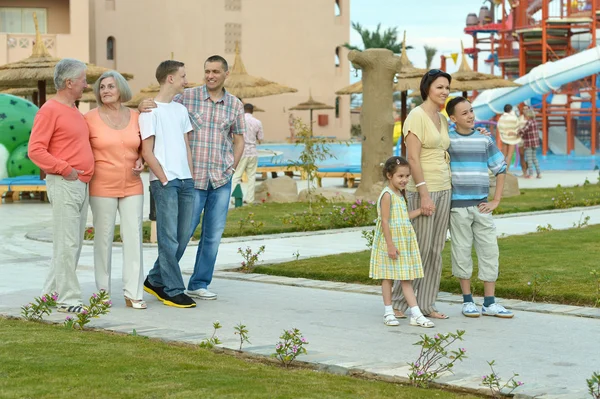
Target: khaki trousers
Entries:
(130, 210)
(468, 226)
(431, 232)
(248, 164)
(69, 200)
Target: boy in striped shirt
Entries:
(471, 222)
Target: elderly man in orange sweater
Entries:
(60, 146)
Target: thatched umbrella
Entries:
(468, 79)
(310, 105)
(87, 97)
(149, 92)
(38, 69)
(242, 85)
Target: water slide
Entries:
(541, 80)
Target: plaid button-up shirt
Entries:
(530, 134)
(214, 125)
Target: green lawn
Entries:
(271, 215)
(564, 257)
(48, 361)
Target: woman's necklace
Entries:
(110, 120)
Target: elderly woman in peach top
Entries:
(116, 185)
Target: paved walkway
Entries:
(553, 352)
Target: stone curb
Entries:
(44, 236)
(516, 304)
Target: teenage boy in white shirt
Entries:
(166, 150)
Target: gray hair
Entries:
(67, 68)
(122, 86)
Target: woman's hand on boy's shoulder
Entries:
(484, 131)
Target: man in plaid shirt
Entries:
(217, 144)
(531, 141)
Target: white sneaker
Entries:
(202, 293)
(469, 309)
(496, 310)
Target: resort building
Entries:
(294, 43)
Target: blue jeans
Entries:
(215, 205)
(174, 207)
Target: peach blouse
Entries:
(115, 152)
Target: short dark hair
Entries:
(166, 68)
(218, 58)
(249, 108)
(428, 78)
(507, 108)
(453, 103)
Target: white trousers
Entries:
(69, 200)
(104, 210)
(248, 164)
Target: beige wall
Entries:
(289, 42)
(57, 12)
(68, 31)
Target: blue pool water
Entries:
(349, 156)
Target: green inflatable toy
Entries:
(16, 121)
(19, 163)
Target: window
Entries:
(337, 106)
(337, 57)
(20, 20)
(110, 48)
(337, 8)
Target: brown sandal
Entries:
(437, 315)
(399, 314)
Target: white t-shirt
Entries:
(168, 123)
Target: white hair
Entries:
(120, 82)
(67, 68)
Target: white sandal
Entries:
(421, 321)
(390, 320)
(135, 303)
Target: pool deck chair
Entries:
(11, 188)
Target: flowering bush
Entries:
(304, 221)
(493, 382)
(35, 311)
(88, 234)
(290, 347)
(564, 199)
(100, 304)
(250, 258)
(249, 225)
(429, 364)
(360, 213)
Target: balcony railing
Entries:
(19, 46)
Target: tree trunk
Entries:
(376, 119)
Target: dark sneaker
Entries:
(179, 301)
(158, 292)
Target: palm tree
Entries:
(430, 52)
(376, 39)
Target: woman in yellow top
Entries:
(426, 134)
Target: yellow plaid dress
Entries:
(408, 265)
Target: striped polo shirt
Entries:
(471, 156)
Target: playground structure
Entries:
(550, 46)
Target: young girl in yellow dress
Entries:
(395, 254)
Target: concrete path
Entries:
(553, 352)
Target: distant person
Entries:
(471, 221)
(522, 122)
(249, 162)
(117, 185)
(165, 147)
(508, 126)
(60, 146)
(531, 142)
(395, 253)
